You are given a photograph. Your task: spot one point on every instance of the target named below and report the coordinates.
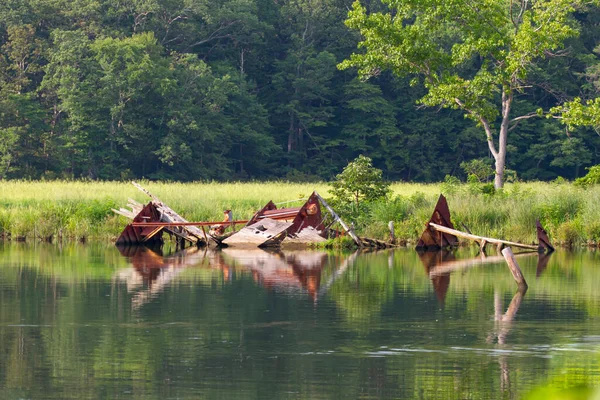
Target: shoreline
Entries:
(72, 211)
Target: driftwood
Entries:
(440, 233)
(514, 268)
(483, 241)
(342, 223)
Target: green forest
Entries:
(192, 90)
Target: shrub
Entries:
(591, 178)
(360, 181)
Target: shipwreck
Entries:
(310, 223)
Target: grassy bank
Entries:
(82, 210)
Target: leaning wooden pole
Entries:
(514, 268)
(482, 240)
(342, 223)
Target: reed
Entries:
(75, 210)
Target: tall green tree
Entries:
(476, 58)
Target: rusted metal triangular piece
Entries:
(138, 235)
(432, 239)
(542, 236)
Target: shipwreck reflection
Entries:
(301, 272)
(439, 265)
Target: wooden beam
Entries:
(480, 239)
(514, 268)
(152, 234)
(338, 219)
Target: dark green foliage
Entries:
(245, 89)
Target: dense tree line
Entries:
(248, 89)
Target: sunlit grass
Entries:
(77, 210)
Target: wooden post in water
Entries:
(392, 233)
(514, 268)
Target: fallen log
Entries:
(440, 233)
(483, 241)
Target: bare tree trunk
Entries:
(500, 164)
(500, 157)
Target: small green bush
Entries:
(591, 178)
(360, 182)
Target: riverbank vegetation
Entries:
(68, 210)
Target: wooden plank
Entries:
(262, 233)
(305, 236)
(124, 212)
(482, 240)
(152, 234)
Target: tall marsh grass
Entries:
(82, 210)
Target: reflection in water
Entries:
(542, 264)
(151, 272)
(231, 325)
(440, 265)
(287, 272)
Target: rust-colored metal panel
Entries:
(543, 240)
(432, 239)
(308, 215)
(137, 235)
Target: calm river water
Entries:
(93, 321)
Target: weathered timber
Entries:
(480, 239)
(341, 222)
(514, 268)
(264, 233)
(435, 239)
(193, 234)
(306, 236)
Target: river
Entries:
(93, 321)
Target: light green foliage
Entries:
(359, 182)
(478, 169)
(591, 178)
(438, 41)
(82, 209)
